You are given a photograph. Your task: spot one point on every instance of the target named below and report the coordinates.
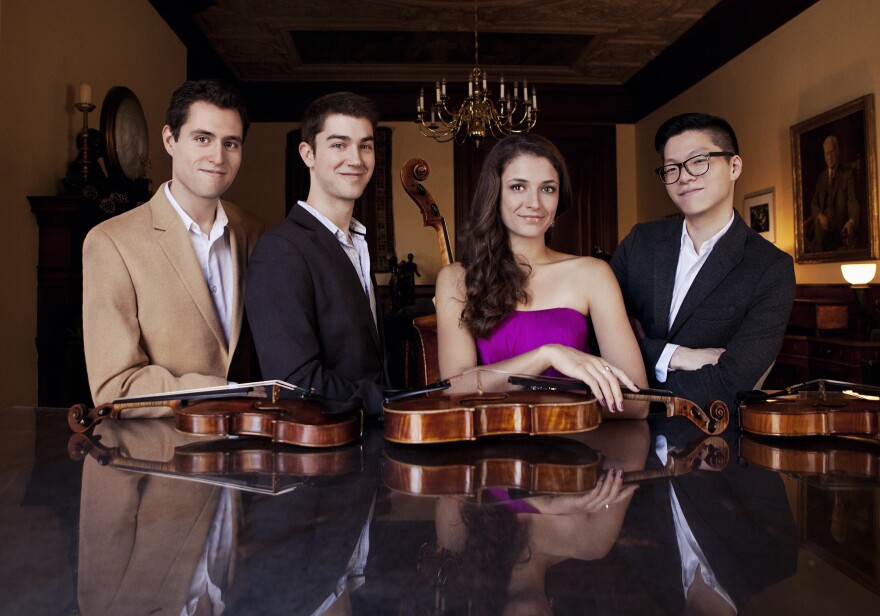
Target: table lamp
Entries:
(858, 275)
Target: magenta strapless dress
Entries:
(523, 331)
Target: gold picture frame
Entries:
(836, 211)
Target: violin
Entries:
(219, 458)
(544, 465)
(812, 456)
(294, 422)
(800, 410)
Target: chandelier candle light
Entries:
(478, 115)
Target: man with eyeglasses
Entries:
(710, 297)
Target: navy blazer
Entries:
(311, 320)
(739, 301)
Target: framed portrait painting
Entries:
(759, 212)
(835, 185)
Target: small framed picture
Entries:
(759, 212)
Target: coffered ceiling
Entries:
(625, 56)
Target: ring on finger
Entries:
(607, 368)
(606, 505)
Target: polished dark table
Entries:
(119, 522)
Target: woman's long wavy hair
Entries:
(495, 280)
(496, 540)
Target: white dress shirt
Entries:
(214, 256)
(355, 248)
(690, 262)
(688, 549)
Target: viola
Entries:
(295, 422)
(800, 410)
(444, 418)
(547, 465)
(544, 465)
(219, 458)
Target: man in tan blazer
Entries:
(163, 284)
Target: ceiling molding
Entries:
(623, 60)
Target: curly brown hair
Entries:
(495, 281)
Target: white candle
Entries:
(470, 88)
(437, 88)
(515, 90)
(526, 91)
(418, 105)
(421, 99)
(443, 87)
(502, 87)
(85, 93)
(432, 116)
(484, 82)
(534, 98)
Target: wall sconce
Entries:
(858, 275)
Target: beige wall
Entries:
(46, 48)
(825, 57)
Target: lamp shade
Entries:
(858, 273)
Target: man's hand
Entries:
(848, 234)
(685, 358)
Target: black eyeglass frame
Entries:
(683, 165)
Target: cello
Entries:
(412, 174)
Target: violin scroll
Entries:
(81, 420)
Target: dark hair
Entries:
(494, 280)
(718, 128)
(496, 540)
(211, 91)
(337, 103)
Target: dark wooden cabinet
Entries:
(61, 371)
(804, 358)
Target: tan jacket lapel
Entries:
(238, 245)
(174, 240)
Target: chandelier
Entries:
(478, 115)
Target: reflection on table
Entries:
(138, 518)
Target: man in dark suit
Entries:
(310, 297)
(711, 296)
(834, 210)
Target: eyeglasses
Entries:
(695, 165)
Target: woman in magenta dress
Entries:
(516, 305)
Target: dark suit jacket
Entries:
(310, 317)
(739, 301)
(836, 199)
